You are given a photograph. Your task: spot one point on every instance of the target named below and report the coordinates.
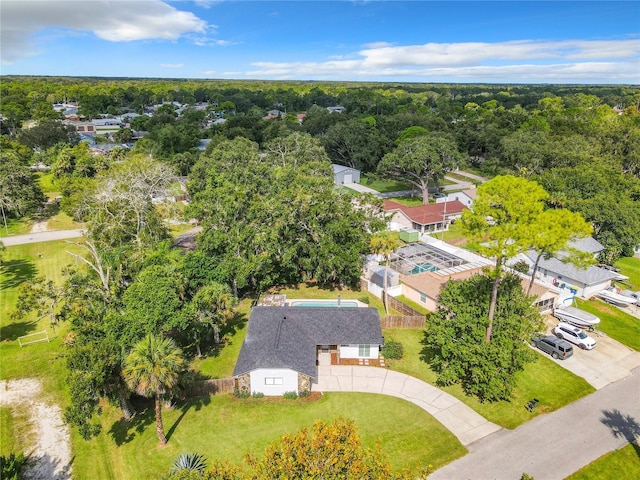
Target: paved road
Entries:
(40, 237)
(555, 445)
(467, 425)
(478, 178)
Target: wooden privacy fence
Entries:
(403, 308)
(403, 321)
(205, 388)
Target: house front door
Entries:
(324, 355)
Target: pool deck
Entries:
(348, 302)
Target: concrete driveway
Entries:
(467, 425)
(608, 362)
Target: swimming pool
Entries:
(425, 267)
(323, 303)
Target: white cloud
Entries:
(115, 21)
(526, 60)
(206, 3)
(378, 45)
(172, 65)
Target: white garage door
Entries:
(348, 178)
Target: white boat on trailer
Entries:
(576, 317)
(612, 296)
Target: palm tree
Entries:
(153, 367)
(384, 243)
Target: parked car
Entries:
(573, 334)
(555, 347)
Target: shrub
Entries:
(11, 466)
(241, 393)
(290, 395)
(305, 393)
(393, 350)
(364, 299)
(521, 266)
(257, 395)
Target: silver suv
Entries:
(555, 347)
(574, 335)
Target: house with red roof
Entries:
(434, 217)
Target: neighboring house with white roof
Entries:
(285, 345)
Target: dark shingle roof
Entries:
(287, 337)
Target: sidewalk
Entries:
(467, 425)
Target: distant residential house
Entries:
(106, 122)
(465, 197)
(343, 175)
(284, 345)
(424, 288)
(425, 267)
(336, 109)
(434, 217)
(583, 282)
(85, 127)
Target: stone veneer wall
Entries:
(243, 383)
(304, 383)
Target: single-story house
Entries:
(337, 108)
(434, 217)
(343, 175)
(583, 282)
(284, 345)
(587, 245)
(465, 197)
(424, 288)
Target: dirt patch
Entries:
(50, 458)
(40, 226)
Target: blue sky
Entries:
(395, 41)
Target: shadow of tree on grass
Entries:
(197, 403)
(17, 329)
(123, 431)
(16, 272)
(622, 425)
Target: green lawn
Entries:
(220, 427)
(616, 323)
(220, 363)
(414, 201)
(47, 185)
(224, 428)
(623, 464)
(10, 420)
(384, 186)
(412, 304)
(15, 227)
(554, 386)
(630, 266)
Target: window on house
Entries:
(423, 297)
(273, 381)
(364, 350)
